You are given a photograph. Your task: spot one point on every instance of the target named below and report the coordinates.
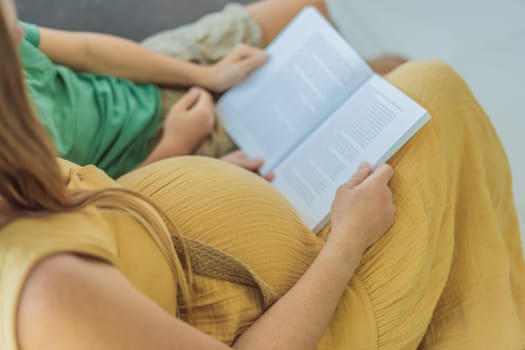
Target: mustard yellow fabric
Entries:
(449, 274)
(109, 235)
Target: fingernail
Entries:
(194, 91)
(363, 166)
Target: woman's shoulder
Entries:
(51, 296)
(26, 242)
(84, 229)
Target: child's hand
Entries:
(190, 120)
(240, 158)
(234, 67)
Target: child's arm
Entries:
(105, 54)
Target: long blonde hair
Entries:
(31, 180)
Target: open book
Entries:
(314, 112)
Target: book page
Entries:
(310, 72)
(370, 126)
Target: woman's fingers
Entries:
(383, 173)
(242, 160)
(360, 175)
(251, 164)
(269, 177)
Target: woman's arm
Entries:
(105, 54)
(64, 307)
(362, 212)
(70, 302)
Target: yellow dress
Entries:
(449, 274)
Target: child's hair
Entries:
(32, 182)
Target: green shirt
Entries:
(93, 119)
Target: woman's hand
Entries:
(240, 158)
(233, 68)
(190, 120)
(363, 210)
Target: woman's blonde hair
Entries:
(32, 182)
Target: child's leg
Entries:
(215, 35)
(273, 15)
(210, 38)
(206, 41)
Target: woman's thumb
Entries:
(360, 175)
(384, 172)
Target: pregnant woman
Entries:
(193, 253)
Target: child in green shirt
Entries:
(116, 104)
